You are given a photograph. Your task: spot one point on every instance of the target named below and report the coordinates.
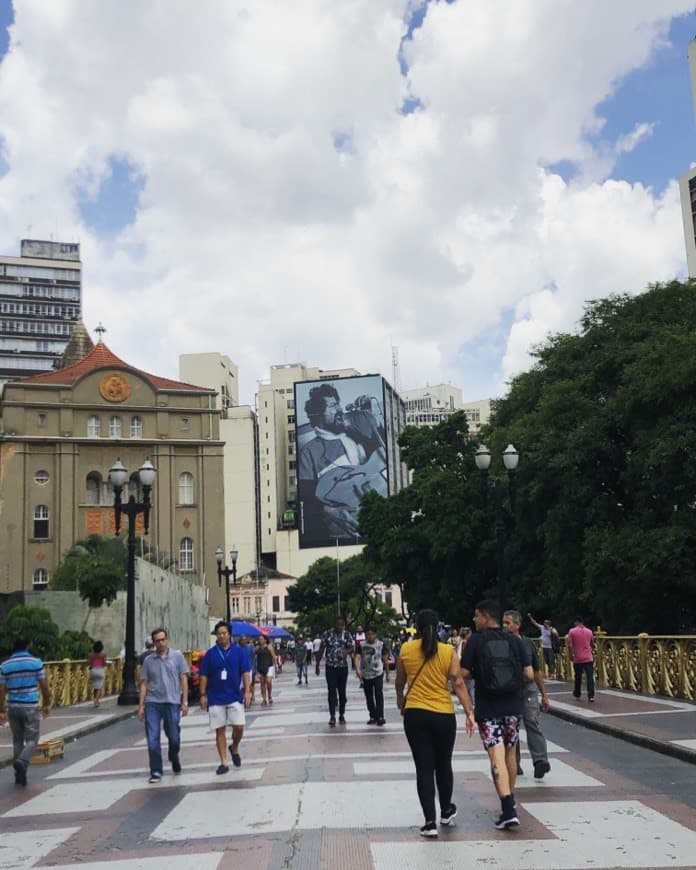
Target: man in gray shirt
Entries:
(370, 663)
(163, 701)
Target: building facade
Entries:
(428, 406)
(61, 433)
(40, 303)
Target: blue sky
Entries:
(464, 263)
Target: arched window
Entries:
(186, 554)
(114, 427)
(186, 488)
(93, 426)
(134, 488)
(136, 427)
(94, 484)
(41, 521)
(40, 579)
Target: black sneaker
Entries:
(155, 777)
(236, 759)
(222, 768)
(448, 816)
(342, 719)
(507, 821)
(429, 830)
(381, 722)
(20, 773)
(176, 766)
(520, 772)
(541, 768)
(371, 721)
(332, 722)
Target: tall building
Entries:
(687, 184)
(428, 406)
(61, 433)
(40, 303)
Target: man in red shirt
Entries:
(580, 645)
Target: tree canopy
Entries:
(315, 596)
(94, 567)
(605, 519)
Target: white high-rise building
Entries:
(428, 406)
(687, 184)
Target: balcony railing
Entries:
(647, 664)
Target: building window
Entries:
(42, 419)
(276, 604)
(93, 427)
(41, 477)
(292, 480)
(291, 418)
(134, 487)
(41, 521)
(258, 604)
(185, 424)
(136, 427)
(291, 404)
(93, 487)
(186, 554)
(388, 597)
(291, 449)
(247, 604)
(234, 605)
(186, 488)
(291, 437)
(292, 465)
(286, 603)
(114, 427)
(40, 579)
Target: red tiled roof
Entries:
(102, 357)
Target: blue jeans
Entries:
(586, 668)
(156, 715)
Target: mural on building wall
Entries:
(341, 436)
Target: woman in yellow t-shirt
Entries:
(428, 667)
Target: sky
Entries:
(318, 182)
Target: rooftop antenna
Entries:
(100, 330)
(396, 370)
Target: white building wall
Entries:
(687, 182)
(212, 370)
(237, 430)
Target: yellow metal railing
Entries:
(647, 664)
(68, 681)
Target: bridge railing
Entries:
(647, 664)
(68, 681)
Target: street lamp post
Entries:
(483, 461)
(227, 573)
(118, 475)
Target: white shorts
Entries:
(270, 673)
(231, 714)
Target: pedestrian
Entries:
(309, 647)
(247, 644)
(225, 692)
(429, 667)
(301, 654)
(266, 664)
(550, 643)
(371, 664)
(536, 742)
(163, 701)
(337, 643)
(22, 676)
(464, 636)
(96, 660)
(580, 639)
(499, 663)
(147, 651)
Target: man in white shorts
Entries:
(225, 692)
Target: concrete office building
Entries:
(687, 183)
(428, 406)
(40, 303)
(61, 433)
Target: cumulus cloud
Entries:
(290, 209)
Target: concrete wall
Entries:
(162, 599)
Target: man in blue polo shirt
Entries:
(225, 692)
(21, 677)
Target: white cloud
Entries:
(255, 234)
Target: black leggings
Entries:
(336, 679)
(431, 738)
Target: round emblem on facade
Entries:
(114, 388)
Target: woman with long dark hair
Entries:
(429, 667)
(96, 660)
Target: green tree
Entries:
(606, 425)
(434, 537)
(315, 596)
(73, 645)
(34, 624)
(79, 559)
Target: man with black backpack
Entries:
(500, 665)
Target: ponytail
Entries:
(426, 623)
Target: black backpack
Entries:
(498, 666)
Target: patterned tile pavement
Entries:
(309, 797)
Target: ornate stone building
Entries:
(62, 431)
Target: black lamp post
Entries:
(227, 573)
(510, 459)
(119, 477)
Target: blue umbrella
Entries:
(276, 631)
(239, 628)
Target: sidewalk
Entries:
(71, 723)
(664, 725)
